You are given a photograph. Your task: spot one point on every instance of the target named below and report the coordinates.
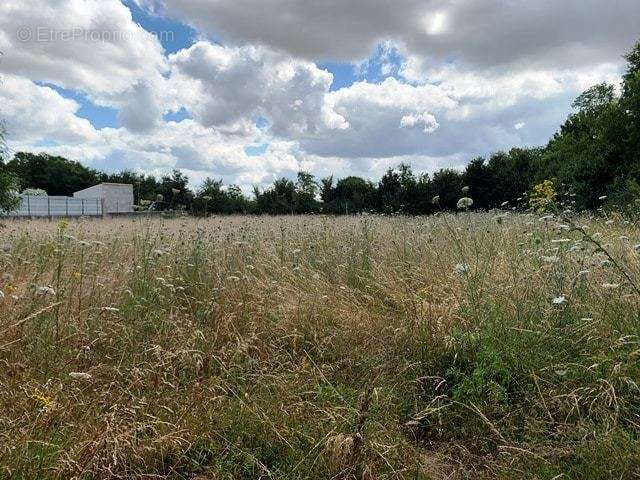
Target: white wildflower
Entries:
(80, 375)
(584, 273)
(549, 259)
(45, 290)
(559, 300)
(610, 286)
(110, 309)
(462, 269)
(561, 240)
(464, 203)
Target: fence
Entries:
(41, 206)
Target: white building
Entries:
(115, 197)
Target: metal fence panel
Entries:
(39, 206)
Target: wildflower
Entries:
(542, 196)
(561, 240)
(80, 375)
(584, 273)
(464, 203)
(559, 300)
(45, 290)
(549, 259)
(610, 286)
(45, 401)
(462, 269)
(110, 309)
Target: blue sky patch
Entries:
(100, 117)
(173, 35)
(178, 116)
(256, 150)
(344, 74)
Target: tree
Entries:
(175, 192)
(480, 179)
(53, 174)
(9, 184)
(214, 198)
(352, 195)
(306, 193)
(587, 155)
(326, 190)
(447, 186)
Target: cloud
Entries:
(141, 109)
(34, 112)
(478, 33)
(227, 85)
(88, 45)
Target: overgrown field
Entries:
(454, 346)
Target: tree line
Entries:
(595, 154)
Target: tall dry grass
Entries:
(454, 346)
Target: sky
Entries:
(248, 91)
